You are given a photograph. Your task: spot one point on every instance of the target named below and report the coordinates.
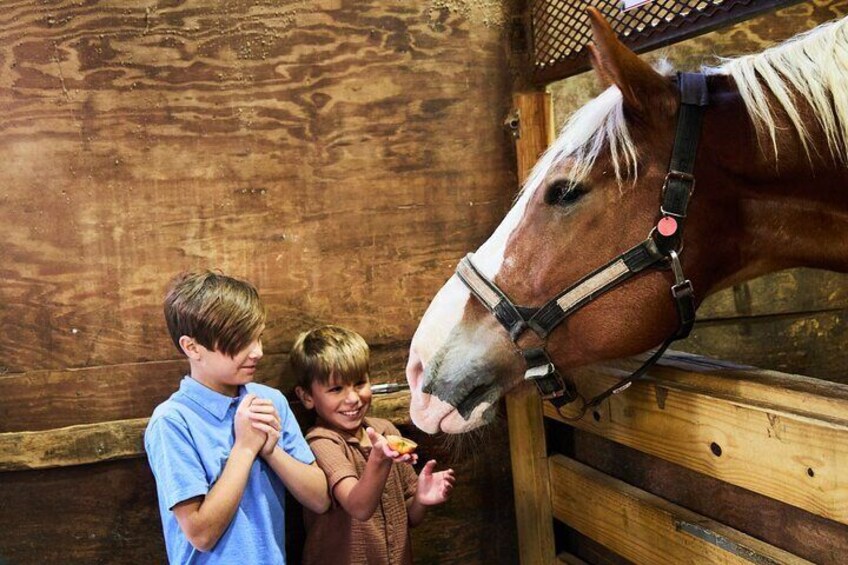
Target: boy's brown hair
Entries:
(329, 351)
(221, 313)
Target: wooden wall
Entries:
(340, 154)
(793, 321)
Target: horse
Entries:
(766, 137)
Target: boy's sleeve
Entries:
(175, 463)
(291, 438)
(332, 459)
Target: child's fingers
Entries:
(428, 467)
(266, 418)
(259, 400)
(263, 427)
(372, 435)
(247, 400)
(268, 408)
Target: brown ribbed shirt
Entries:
(337, 538)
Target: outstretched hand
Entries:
(434, 488)
(380, 448)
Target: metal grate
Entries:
(561, 28)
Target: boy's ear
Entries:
(189, 347)
(305, 397)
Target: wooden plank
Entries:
(107, 512)
(788, 444)
(795, 530)
(41, 400)
(794, 291)
(645, 528)
(567, 559)
(528, 450)
(121, 439)
(744, 384)
(74, 445)
(810, 344)
(339, 155)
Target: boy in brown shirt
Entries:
(374, 500)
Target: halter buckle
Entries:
(541, 372)
(681, 176)
(682, 286)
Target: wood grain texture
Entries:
(74, 445)
(40, 400)
(645, 528)
(808, 343)
(339, 154)
(528, 451)
(788, 445)
(107, 512)
(121, 439)
(801, 533)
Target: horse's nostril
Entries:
(414, 370)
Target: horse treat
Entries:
(401, 444)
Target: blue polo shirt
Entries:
(188, 441)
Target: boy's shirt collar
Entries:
(214, 402)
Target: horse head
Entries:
(596, 193)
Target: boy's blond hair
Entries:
(221, 313)
(329, 351)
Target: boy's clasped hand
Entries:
(257, 421)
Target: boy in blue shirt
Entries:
(222, 448)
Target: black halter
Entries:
(660, 249)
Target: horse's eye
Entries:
(564, 193)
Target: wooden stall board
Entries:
(782, 436)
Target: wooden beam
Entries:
(645, 528)
(782, 436)
(73, 445)
(43, 400)
(524, 408)
(569, 559)
(121, 439)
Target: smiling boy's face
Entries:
(341, 406)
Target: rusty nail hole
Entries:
(596, 415)
(811, 472)
(716, 449)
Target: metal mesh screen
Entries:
(561, 29)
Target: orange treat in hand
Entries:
(401, 444)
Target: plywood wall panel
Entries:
(340, 155)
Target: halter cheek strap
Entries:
(661, 248)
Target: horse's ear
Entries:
(640, 85)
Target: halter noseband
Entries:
(661, 248)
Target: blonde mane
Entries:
(812, 67)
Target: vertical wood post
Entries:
(527, 443)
